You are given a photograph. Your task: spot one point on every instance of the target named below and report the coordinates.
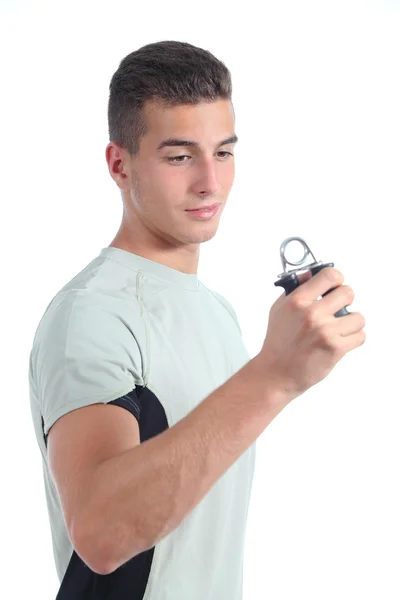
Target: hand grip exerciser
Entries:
(289, 280)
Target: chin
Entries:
(205, 236)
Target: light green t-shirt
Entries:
(130, 331)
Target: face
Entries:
(160, 185)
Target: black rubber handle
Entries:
(291, 282)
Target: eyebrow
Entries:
(177, 142)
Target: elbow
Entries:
(93, 552)
(102, 556)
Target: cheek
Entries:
(227, 179)
(169, 187)
(163, 196)
(161, 177)
(173, 178)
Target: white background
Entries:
(316, 90)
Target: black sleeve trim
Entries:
(130, 402)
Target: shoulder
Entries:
(88, 329)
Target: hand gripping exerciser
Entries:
(289, 280)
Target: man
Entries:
(145, 402)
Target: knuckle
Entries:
(350, 295)
(359, 320)
(334, 275)
(325, 339)
(310, 317)
(295, 302)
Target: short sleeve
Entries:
(85, 352)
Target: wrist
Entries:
(276, 394)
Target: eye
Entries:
(174, 159)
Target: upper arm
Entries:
(77, 443)
(87, 354)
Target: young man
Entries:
(145, 402)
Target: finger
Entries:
(353, 341)
(303, 277)
(320, 283)
(336, 299)
(350, 324)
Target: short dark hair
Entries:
(168, 72)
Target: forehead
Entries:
(206, 122)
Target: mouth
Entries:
(204, 213)
(211, 207)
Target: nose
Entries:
(206, 182)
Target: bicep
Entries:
(77, 443)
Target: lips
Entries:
(204, 207)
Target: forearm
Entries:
(140, 496)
